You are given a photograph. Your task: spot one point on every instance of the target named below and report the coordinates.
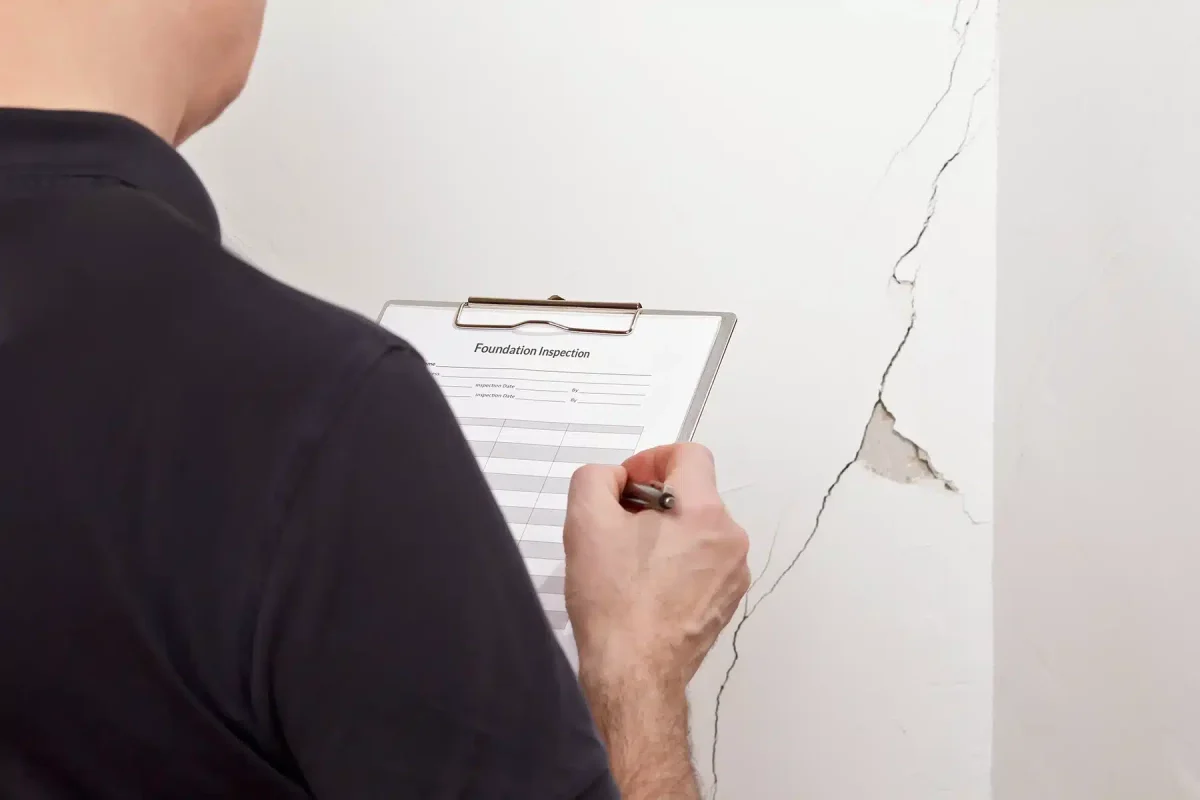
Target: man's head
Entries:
(224, 36)
(173, 65)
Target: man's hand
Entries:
(648, 593)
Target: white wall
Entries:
(1098, 539)
(773, 159)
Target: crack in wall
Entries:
(881, 425)
(931, 205)
(748, 610)
(962, 46)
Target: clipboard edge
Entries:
(555, 302)
(716, 356)
(726, 316)
(708, 377)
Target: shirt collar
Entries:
(79, 144)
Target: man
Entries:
(244, 549)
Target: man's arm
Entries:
(645, 725)
(648, 594)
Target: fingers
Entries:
(686, 468)
(592, 485)
(593, 503)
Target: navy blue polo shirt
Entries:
(244, 548)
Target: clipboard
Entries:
(554, 313)
(541, 387)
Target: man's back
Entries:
(245, 550)
(219, 521)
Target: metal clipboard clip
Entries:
(634, 310)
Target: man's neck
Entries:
(82, 55)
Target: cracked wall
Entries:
(826, 172)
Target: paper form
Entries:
(535, 404)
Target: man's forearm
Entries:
(645, 727)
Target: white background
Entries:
(719, 155)
(1097, 549)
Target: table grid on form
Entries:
(528, 465)
(582, 389)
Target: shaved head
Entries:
(225, 36)
(173, 65)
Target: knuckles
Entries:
(740, 541)
(714, 518)
(744, 580)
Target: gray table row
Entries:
(484, 422)
(549, 452)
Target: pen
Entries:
(652, 496)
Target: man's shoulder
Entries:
(144, 264)
(119, 278)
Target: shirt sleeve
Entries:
(403, 644)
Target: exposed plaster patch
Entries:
(892, 455)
